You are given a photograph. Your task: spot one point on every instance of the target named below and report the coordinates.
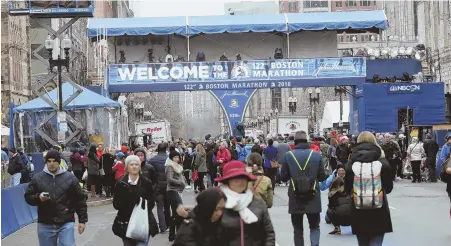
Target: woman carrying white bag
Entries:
(133, 198)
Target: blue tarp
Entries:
(337, 20)
(137, 26)
(87, 99)
(238, 23)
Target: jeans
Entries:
(199, 183)
(56, 235)
(209, 182)
(416, 169)
(133, 242)
(370, 240)
(163, 211)
(15, 179)
(298, 224)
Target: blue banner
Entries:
(234, 104)
(233, 75)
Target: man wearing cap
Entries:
(57, 194)
(300, 164)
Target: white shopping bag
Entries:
(85, 175)
(138, 225)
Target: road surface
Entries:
(420, 215)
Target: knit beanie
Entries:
(53, 154)
(173, 154)
(130, 159)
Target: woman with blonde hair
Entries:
(200, 164)
(368, 177)
(262, 187)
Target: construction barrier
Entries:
(16, 213)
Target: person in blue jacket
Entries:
(444, 154)
(339, 172)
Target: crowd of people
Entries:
(235, 181)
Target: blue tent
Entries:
(86, 99)
(192, 25)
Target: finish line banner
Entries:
(227, 75)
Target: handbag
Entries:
(102, 171)
(119, 227)
(138, 225)
(195, 175)
(444, 176)
(274, 164)
(85, 175)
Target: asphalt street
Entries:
(420, 216)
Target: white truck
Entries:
(289, 125)
(254, 133)
(160, 130)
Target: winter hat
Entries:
(448, 137)
(19, 149)
(124, 149)
(140, 150)
(300, 135)
(130, 159)
(233, 140)
(173, 154)
(120, 155)
(53, 154)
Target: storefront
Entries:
(383, 107)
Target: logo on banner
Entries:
(240, 71)
(234, 103)
(293, 125)
(336, 66)
(234, 93)
(404, 88)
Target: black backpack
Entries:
(233, 153)
(304, 187)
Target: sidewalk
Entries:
(98, 201)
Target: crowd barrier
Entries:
(16, 213)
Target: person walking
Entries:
(200, 164)
(339, 207)
(431, 148)
(415, 153)
(282, 148)
(175, 186)
(94, 171)
(368, 161)
(305, 169)
(107, 161)
(15, 167)
(271, 162)
(58, 196)
(128, 192)
(163, 208)
(262, 186)
(223, 156)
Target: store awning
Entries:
(192, 25)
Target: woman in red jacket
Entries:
(223, 156)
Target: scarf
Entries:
(238, 202)
(177, 167)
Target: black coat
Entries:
(191, 233)
(374, 221)
(339, 209)
(149, 172)
(126, 196)
(158, 163)
(430, 149)
(260, 233)
(107, 162)
(66, 197)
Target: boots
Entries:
(336, 231)
(93, 191)
(172, 229)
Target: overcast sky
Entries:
(160, 8)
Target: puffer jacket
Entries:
(191, 233)
(174, 176)
(339, 208)
(263, 189)
(149, 172)
(224, 155)
(415, 151)
(158, 162)
(380, 218)
(66, 197)
(260, 233)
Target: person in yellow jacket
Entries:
(262, 186)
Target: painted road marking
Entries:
(392, 207)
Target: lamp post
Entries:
(340, 90)
(266, 119)
(66, 44)
(314, 101)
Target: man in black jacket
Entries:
(431, 148)
(15, 167)
(158, 162)
(58, 195)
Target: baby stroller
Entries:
(407, 169)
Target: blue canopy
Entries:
(238, 23)
(137, 26)
(337, 20)
(86, 99)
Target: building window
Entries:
(351, 3)
(365, 3)
(293, 6)
(276, 99)
(338, 4)
(315, 4)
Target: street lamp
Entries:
(313, 102)
(59, 63)
(340, 91)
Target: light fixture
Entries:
(377, 53)
(385, 52)
(394, 52)
(402, 51)
(67, 43)
(370, 52)
(420, 55)
(310, 91)
(410, 51)
(49, 42)
(317, 90)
